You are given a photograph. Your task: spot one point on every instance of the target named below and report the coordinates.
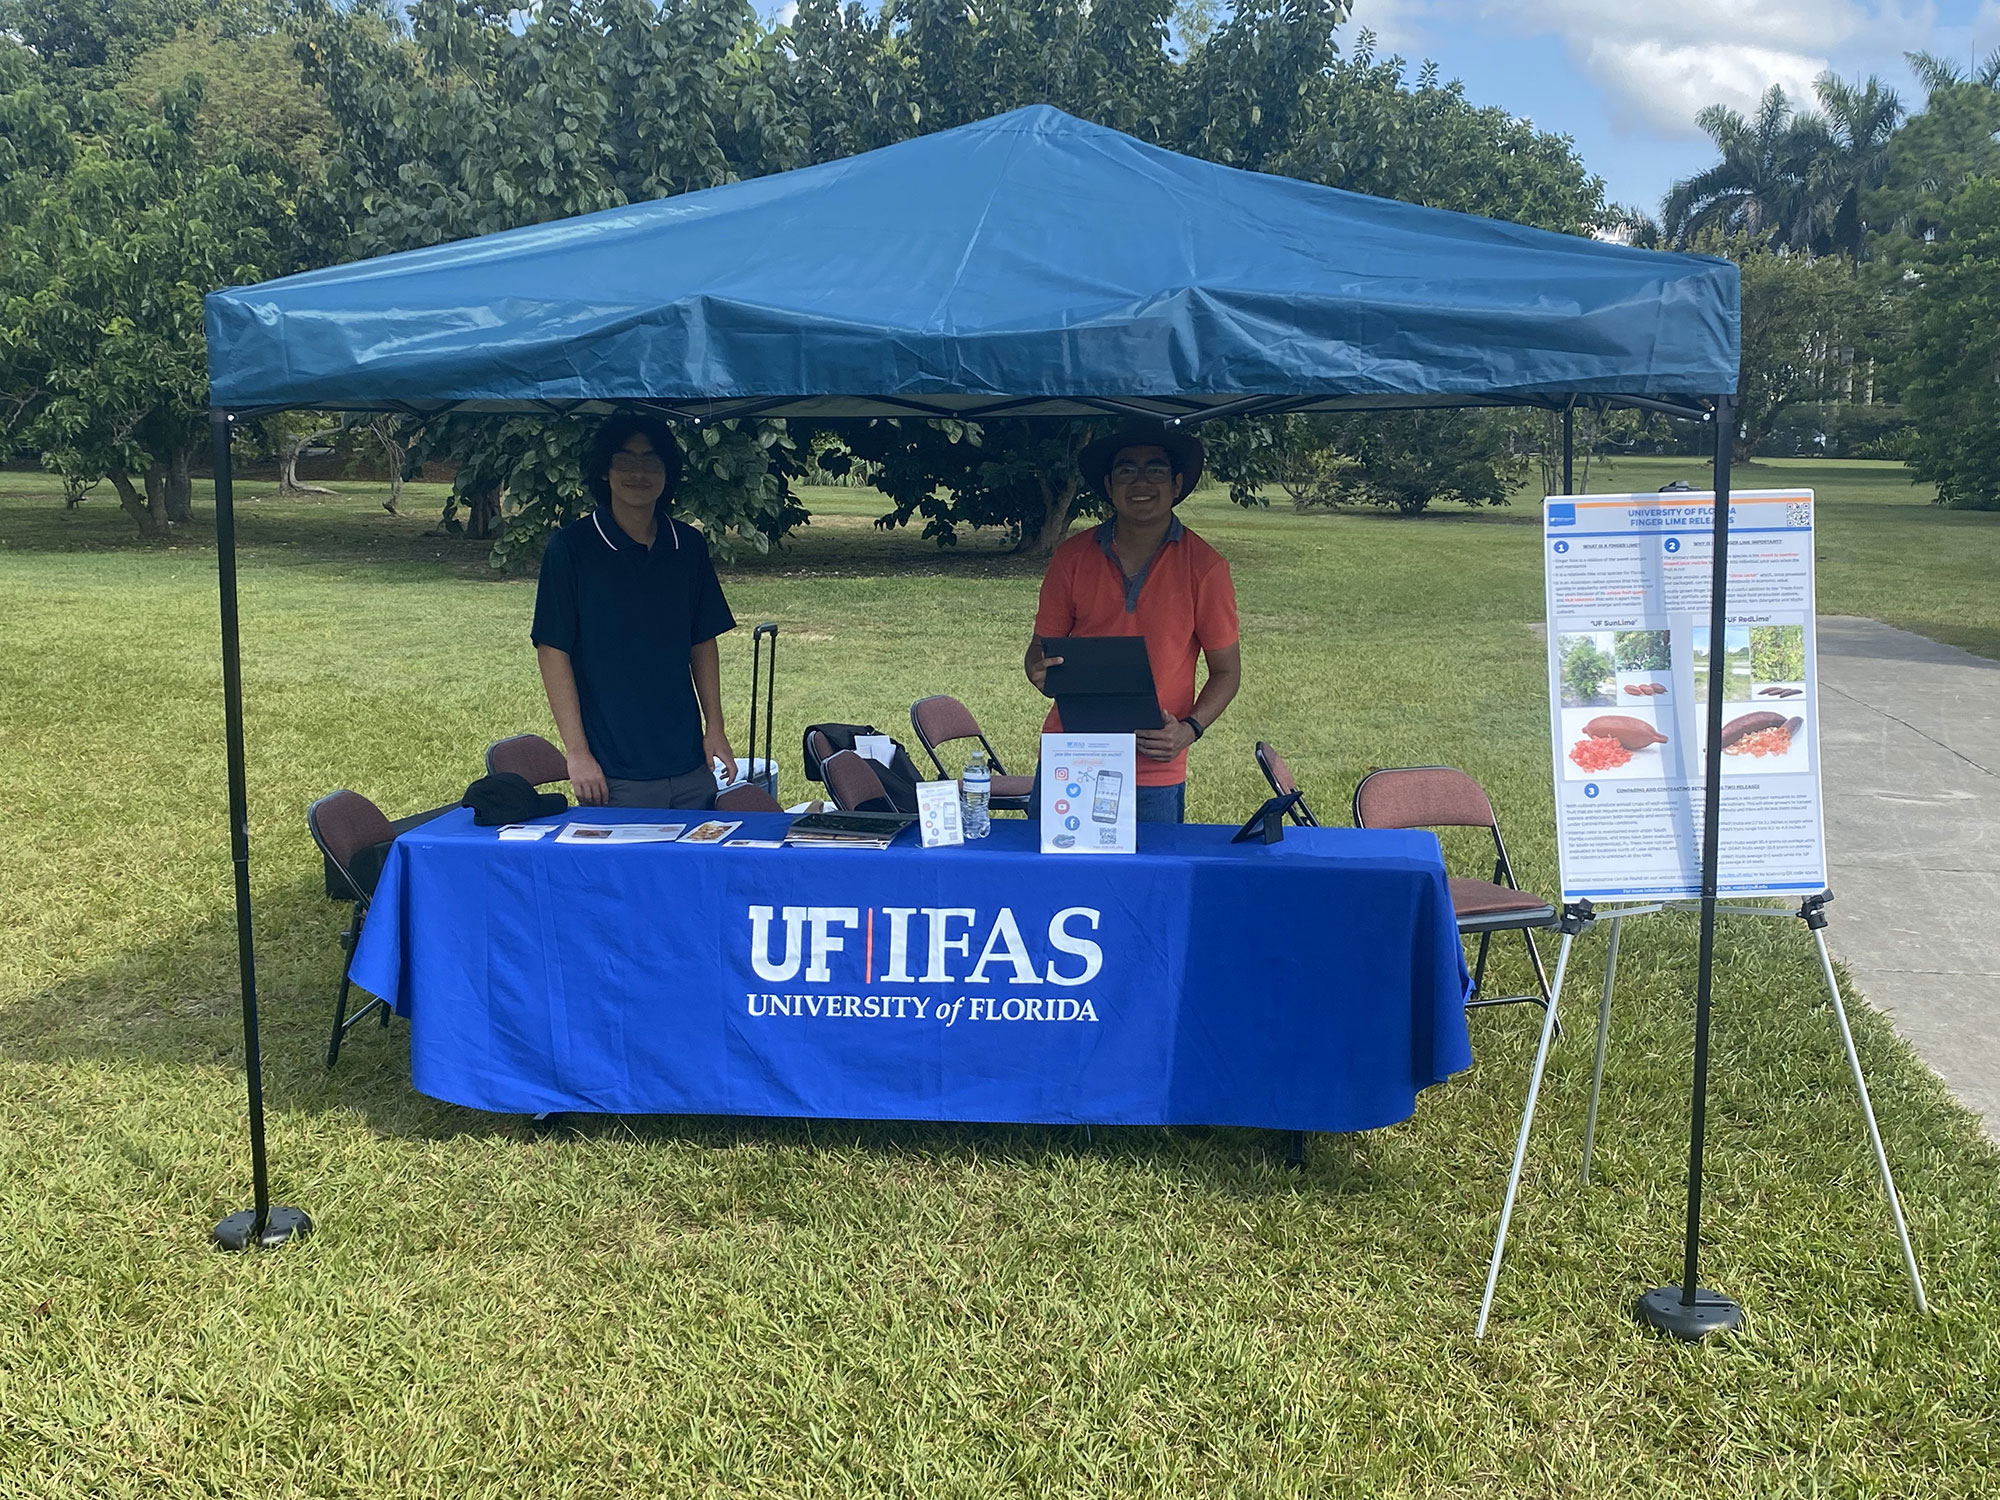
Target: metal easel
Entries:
(1581, 914)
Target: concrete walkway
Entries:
(1910, 741)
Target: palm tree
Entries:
(1852, 158)
(1937, 73)
(1759, 187)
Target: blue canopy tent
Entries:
(1031, 265)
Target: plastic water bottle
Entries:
(977, 793)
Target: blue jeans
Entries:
(1154, 804)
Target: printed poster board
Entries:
(1089, 792)
(1629, 662)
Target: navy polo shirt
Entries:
(627, 616)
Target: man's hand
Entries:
(586, 779)
(1037, 666)
(1167, 741)
(715, 744)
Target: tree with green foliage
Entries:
(1409, 460)
(1371, 130)
(92, 44)
(1801, 181)
(1952, 140)
(1950, 366)
(113, 236)
(1857, 122)
(1584, 671)
(1642, 650)
(461, 122)
(1758, 188)
(1801, 317)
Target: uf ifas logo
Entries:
(878, 941)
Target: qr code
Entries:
(1799, 513)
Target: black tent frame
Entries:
(1688, 1311)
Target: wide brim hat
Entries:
(1183, 447)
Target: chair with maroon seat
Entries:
(943, 720)
(354, 836)
(1279, 775)
(1436, 797)
(854, 784)
(747, 797)
(528, 756)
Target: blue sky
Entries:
(1625, 77)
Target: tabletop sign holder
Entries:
(939, 820)
(1089, 788)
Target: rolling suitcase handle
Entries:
(768, 677)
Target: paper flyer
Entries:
(939, 816)
(1629, 660)
(1088, 799)
(620, 833)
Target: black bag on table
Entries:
(899, 778)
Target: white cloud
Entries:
(1660, 61)
(1400, 25)
(1661, 87)
(1659, 64)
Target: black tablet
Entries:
(1267, 823)
(1104, 684)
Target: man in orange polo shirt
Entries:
(1144, 573)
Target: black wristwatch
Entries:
(1193, 723)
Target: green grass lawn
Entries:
(752, 1307)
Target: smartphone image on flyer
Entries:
(1104, 806)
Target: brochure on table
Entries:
(938, 814)
(1088, 794)
(1629, 658)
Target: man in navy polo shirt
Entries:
(626, 617)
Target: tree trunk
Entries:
(179, 489)
(485, 506)
(1046, 537)
(385, 434)
(288, 464)
(152, 522)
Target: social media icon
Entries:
(1072, 824)
(1062, 805)
(1073, 790)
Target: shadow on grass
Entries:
(174, 1005)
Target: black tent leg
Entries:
(1689, 1311)
(1569, 450)
(264, 1223)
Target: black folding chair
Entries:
(943, 720)
(1279, 775)
(354, 837)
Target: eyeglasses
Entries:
(1158, 470)
(637, 463)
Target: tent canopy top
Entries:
(1031, 265)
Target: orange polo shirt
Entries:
(1184, 603)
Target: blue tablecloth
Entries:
(1315, 984)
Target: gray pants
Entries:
(693, 791)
